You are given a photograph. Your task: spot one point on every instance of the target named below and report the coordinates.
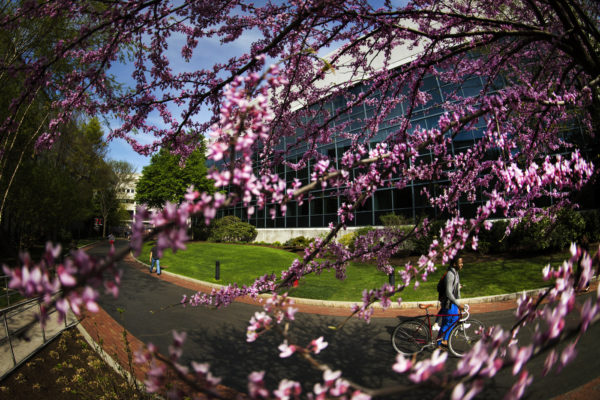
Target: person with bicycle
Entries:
(458, 333)
(448, 297)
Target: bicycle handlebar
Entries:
(466, 311)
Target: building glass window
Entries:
(409, 201)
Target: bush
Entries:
(231, 229)
(483, 247)
(350, 238)
(362, 231)
(393, 220)
(592, 225)
(494, 240)
(406, 247)
(545, 234)
(347, 240)
(422, 243)
(568, 227)
(299, 242)
(199, 230)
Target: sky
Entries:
(208, 52)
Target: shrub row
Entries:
(541, 235)
(545, 234)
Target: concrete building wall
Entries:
(282, 235)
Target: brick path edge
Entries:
(107, 337)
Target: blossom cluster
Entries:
(537, 69)
(500, 349)
(333, 387)
(199, 376)
(277, 309)
(68, 284)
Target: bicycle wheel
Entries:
(464, 336)
(410, 336)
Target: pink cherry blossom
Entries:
(287, 389)
(517, 390)
(256, 385)
(318, 344)
(423, 369)
(520, 357)
(535, 67)
(286, 350)
(402, 364)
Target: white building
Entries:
(126, 195)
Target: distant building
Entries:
(126, 196)
(311, 217)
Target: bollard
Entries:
(392, 277)
(217, 270)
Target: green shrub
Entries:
(529, 235)
(494, 240)
(363, 230)
(394, 220)
(568, 227)
(231, 229)
(347, 240)
(408, 245)
(422, 243)
(545, 234)
(299, 242)
(199, 230)
(592, 225)
(483, 247)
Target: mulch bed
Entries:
(68, 368)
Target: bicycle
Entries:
(414, 335)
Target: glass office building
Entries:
(408, 202)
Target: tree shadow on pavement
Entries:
(361, 351)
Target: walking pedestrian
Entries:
(154, 260)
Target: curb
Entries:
(350, 304)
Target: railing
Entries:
(22, 333)
(7, 293)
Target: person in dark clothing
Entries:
(449, 300)
(154, 260)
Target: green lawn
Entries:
(243, 263)
(238, 263)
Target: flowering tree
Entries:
(540, 64)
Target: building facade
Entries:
(126, 196)
(409, 202)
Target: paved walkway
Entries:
(102, 328)
(111, 332)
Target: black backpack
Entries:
(441, 286)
